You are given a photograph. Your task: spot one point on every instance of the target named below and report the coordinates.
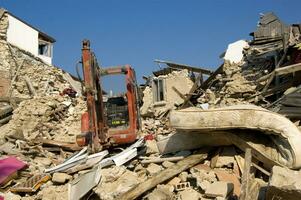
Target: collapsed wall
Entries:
(53, 117)
(154, 107)
(19, 69)
(44, 112)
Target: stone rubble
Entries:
(50, 115)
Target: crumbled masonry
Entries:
(229, 134)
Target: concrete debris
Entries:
(153, 169)
(151, 146)
(167, 164)
(193, 131)
(110, 190)
(60, 178)
(53, 192)
(160, 193)
(284, 184)
(219, 189)
(189, 194)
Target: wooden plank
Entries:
(192, 89)
(5, 110)
(30, 86)
(269, 82)
(288, 69)
(162, 176)
(181, 95)
(281, 71)
(5, 120)
(64, 145)
(261, 169)
(214, 159)
(183, 66)
(208, 81)
(245, 179)
(160, 160)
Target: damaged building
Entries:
(165, 89)
(232, 133)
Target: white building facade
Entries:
(28, 38)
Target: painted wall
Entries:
(46, 58)
(22, 35)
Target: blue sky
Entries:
(136, 32)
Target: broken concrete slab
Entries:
(204, 185)
(219, 189)
(189, 194)
(153, 169)
(226, 157)
(151, 147)
(110, 190)
(160, 194)
(60, 178)
(284, 184)
(167, 164)
(174, 181)
(164, 175)
(226, 176)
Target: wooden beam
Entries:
(181, 95)
(207, 82)
(281, 71)
(30, 86)
(5, 110)
(192, 90)
(288, 69)
(64, 145)
(5, 120)
(245, 179)
(183, 66)
(160, 160)
(162, 176)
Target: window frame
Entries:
(159, 90)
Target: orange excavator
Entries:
(109, 120)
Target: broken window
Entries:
(158, 90)
(45, 48)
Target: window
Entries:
(158, 90)
(45, 48)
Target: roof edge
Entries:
(3, 11)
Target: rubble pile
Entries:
(196, 142)
(252, 70)
(264, 72)
(156, 126)
(23, 68)
(26, 74)
(53, 117)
